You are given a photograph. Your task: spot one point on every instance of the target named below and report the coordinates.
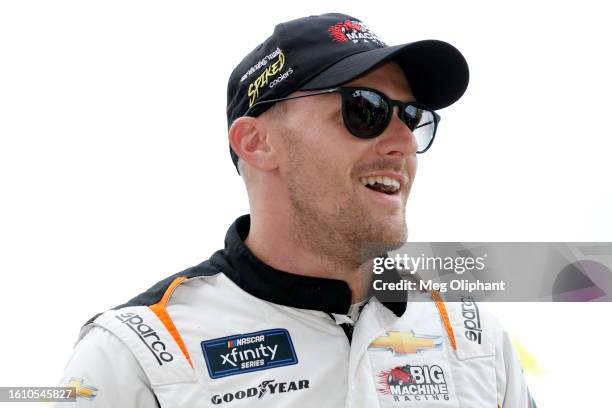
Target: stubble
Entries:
(341, 232)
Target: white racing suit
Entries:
(234, 332)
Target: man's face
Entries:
(325, 167)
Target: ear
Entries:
(250, 141)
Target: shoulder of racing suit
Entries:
(155, 293)
(144, 326)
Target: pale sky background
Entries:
(114, 170)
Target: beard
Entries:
(336, 222)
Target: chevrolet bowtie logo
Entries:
(405, 342)
(83, 391)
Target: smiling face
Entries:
(343, 189)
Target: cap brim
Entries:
(437, 72)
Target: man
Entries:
(325, 124)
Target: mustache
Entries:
(399, 166)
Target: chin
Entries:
(383, 240)
(390, 231)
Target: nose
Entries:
(397, 140)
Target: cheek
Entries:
(412, 163)
(319, 147)
(335, 160)
(323, 164)
(318, 170)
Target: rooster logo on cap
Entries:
(352, 30)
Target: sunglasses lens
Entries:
(366, 113)
(423, 125)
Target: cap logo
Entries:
(353, 30)
(261, 63)
(263, 79)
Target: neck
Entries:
(273, 240)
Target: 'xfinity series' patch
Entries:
(243, 353)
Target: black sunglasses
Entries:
(367, 112)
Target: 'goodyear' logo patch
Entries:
(243, 353)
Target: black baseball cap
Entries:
(318, 52)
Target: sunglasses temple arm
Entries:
(288, 98)
(424, 124)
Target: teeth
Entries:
(388, 181)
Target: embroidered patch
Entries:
(243, 353)
(401, 343)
